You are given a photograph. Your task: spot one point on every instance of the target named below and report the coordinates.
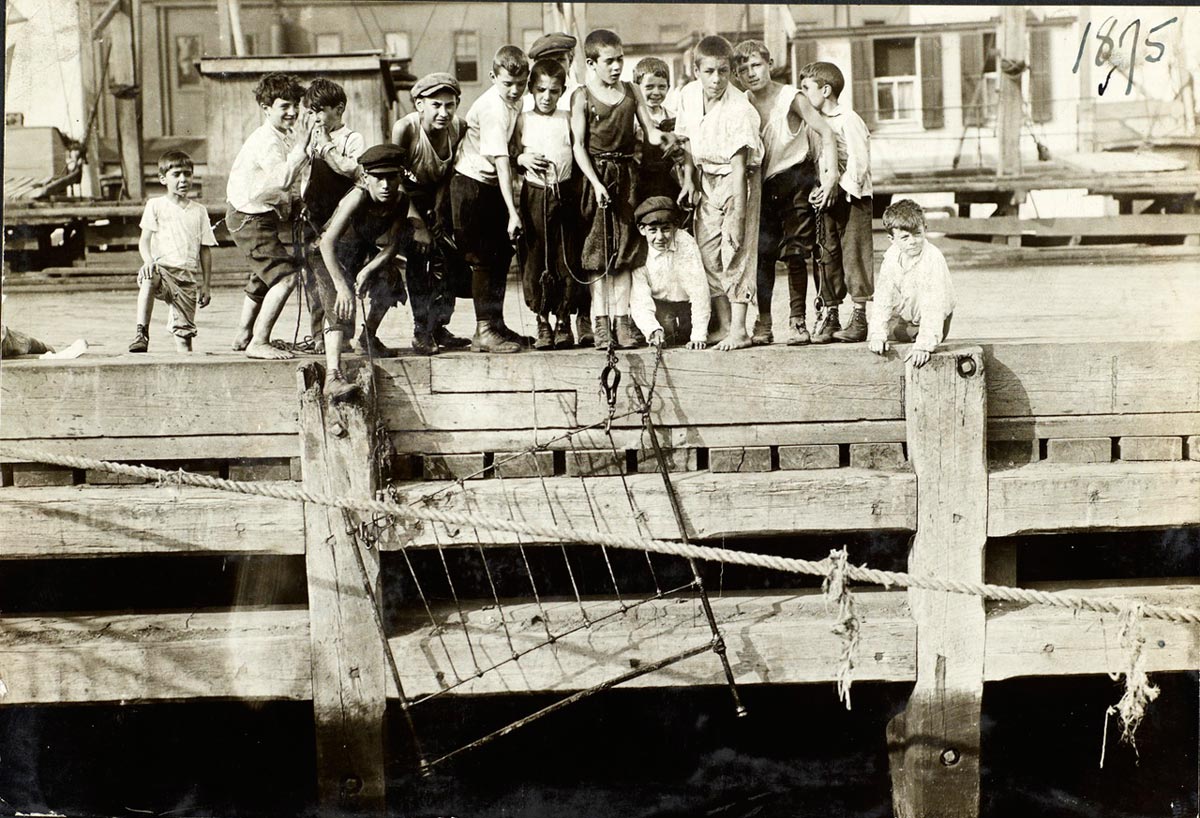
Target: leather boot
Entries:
(827, 324)
(583, 330)
(545, 336)
(487, 339)
(625, 334)
(602, 332)
(856, 331)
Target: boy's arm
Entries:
(641, 305)
(654, 135)
(344, 162)
(338, 225)
(738, 204)
(146, 251)
(858, 151)
(283, 172)
(933, 300)
(695, 282)
(829, 163)
(689, 191)
(386, 253)
(884, 303)
(504, 176)
(205, 275)
(579, 145)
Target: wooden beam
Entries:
(91, 96)
(1013, 44)
(128, 105)
(94, 521)
(1054, 497)
(934, 744)
(175, 448)
(714, 505)
(1180, 424)
(348, 672)
(244, 654)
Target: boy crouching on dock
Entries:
(669, 296)
(914, 299)
(176, 238)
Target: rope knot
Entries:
(1130, 709)
(836, 588)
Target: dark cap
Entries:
(552, 43)
(432, 83)
(386, 158)
(657, 210)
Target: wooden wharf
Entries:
(986, 442)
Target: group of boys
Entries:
(607, 176)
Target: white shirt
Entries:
(674, 274)
(177, 233)
(345, 146)
(266, 174)
(853, 150)
(783, 148)
(715, 136)
(918, 291)
(490, 125)
(551, 137)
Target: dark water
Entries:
(623, 753)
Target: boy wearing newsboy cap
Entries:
(669, 299)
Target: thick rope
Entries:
(283, 491)
(837, 590)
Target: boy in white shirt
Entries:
(914, 299)
(176, 237)
(669, 296)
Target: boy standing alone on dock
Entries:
(176, 238)
(262, 194)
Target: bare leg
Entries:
(722, 312)
(333, 349)
(272, 306)
(145, 307)
(737, 337)
(245, 331)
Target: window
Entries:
(396, 44)
(528, 37)
(251, 43)
(329, 43)
(466, 56)
(990, 80)
(896, 81)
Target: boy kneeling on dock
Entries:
(176, 237)
(914, 299)
(347, 255)
(669, 297)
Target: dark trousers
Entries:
(428, 276)
(551, 254)
(257, 235)
(481, 233)
(325, 292)
(676, 320)
(847, 250)
(787, 230)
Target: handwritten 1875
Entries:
(1106, 51)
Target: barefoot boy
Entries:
(669, 298)
(262, 192)
(787, 229)
(724, 152)
(176, 238)
(914, 299)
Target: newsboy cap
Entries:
(552, 43)
(432, 83)
(386, 158)
(657, 210)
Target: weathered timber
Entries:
(826, 456)
(348, 672)
(884, 456)
(176, 448)
(714, 505)
(740, 460)
(28, 475)
(95, 521)
(1079, 450)
(1192, 445)
(676, 459)
(1047, 497)
(453, 467)
(248, 654)
(934, 744)
(528, 464)
(595, 462)
(1150, 448)
(1067, 426)
(1006, 453)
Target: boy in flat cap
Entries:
(428, 139)
(559, 47)
(347, 254)
(669, 298)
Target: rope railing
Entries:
(560, 533)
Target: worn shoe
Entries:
(763, 334)
(423, 344)
(563, 339)
(448, 340)
(141, 339)
(827, 324)
(337, 388)
(626, 339)
(509, 334)
(545, 335)
(368, 345)
(799, 333)
(487, 339)
(583, 330)
(602, 332)
(856, 331)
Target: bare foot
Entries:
(241, 340)
(719, 334)
(267, 352)
(735, 340)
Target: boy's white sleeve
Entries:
(690, 268)
(885, 298)
(641, 304)
(934, 301)
(207, 238)
(280, 172)
(496, 125)
(149, 217)
(345, 160)
(858, 152)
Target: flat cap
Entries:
(551, 43)
(386, 158)
(657, 210)
(432, 83)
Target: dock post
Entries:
(349, 682)
(933, 745)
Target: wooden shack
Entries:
(232, 113)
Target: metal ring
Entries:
(966, 366)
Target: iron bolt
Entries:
(950, 757)
(966, 366)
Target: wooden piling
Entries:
(934, 744)
(349, 681)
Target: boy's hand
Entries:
(363, 280)
(205, 297)
(145, 272)
(731, 230)
(878, 347)
(687, 194)
(656, 338)
(919, 357)
(697, 345)
(514, 226)
(602, 197)
(343, 307)
(534, 161)
(422, 237)
(819, 197)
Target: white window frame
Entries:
(464, 57)
(895, 81)
(391, 37)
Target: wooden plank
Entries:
(1065, 426)
(528, 464)
(1150, 448)
(886, 456)
(28, 475)
(1079, 450)
(454, 467)
(173, 448)
(243, 654)
(1051, 497)
(1167, 224)
(825, 456)
(740, 460)
(934, 744)
(714, 505)
(1193, 447)
(93, 521)
(349, 681)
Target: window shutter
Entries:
(862, 72)
(932, 113)
(1041, 102)
(805, 51)
(971, 49)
